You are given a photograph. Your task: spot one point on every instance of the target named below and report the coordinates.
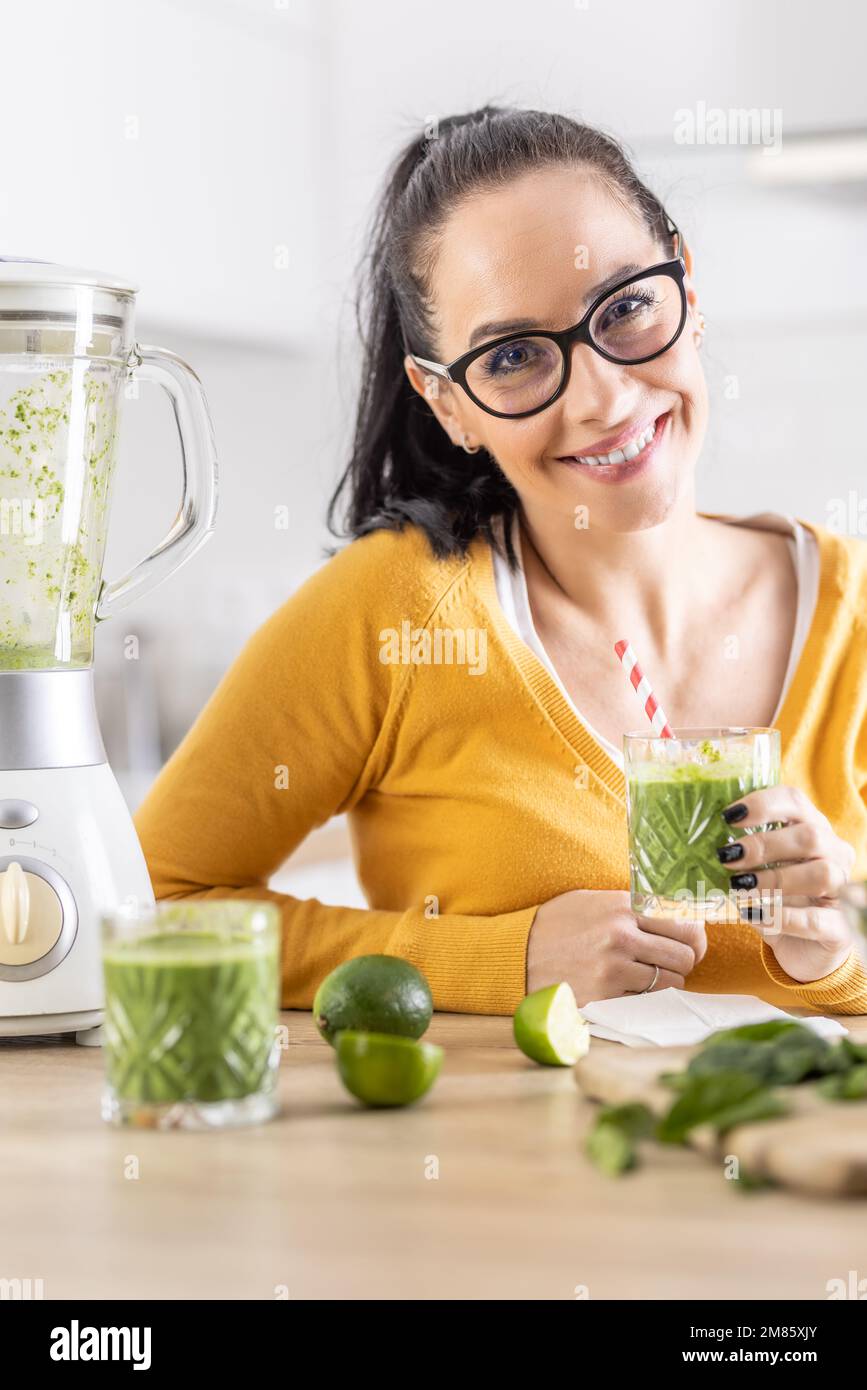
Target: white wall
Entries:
(177, 141)
(188, 142)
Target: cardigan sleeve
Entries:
(293, 735)
(844, 991)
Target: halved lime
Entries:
(384, 1069)
(549, 1028)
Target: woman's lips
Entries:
(623, 472)
(616, 441)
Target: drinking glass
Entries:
(192, 993)
(676, 789)
(853, 897)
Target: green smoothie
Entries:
(58, 437)
(854, 900)
(675, 827)
(38, 659)
(190, 1016)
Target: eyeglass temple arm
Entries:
(436, 367)
(674, 230)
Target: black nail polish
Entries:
(738, 812)
(728, 853)
(743, 881)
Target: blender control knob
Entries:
(14, 904)
(35, 908)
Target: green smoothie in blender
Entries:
(57, 456)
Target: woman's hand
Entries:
(592, 939)
(803, 865)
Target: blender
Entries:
(68, 848)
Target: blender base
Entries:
(70, 830)
(90, 1037)
(83, 1025)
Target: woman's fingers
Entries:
(692, 934)
(813, 878)
(801, 840)
(809, 921)
(806, 835)
(638, 978)
(773, 804)
(668, 954)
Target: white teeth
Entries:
(629, 451)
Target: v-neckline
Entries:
(548, 695)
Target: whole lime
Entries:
(373, 994)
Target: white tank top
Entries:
(515, 601)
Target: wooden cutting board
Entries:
(819, 1148)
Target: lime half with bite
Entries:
(549, 1028)
(384, 1069)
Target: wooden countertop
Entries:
(331, 1200)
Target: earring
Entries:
(699, 333)
(467, 447)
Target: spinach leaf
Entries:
(634, 1119)
(729, 1082)
(722, 1098)
(752, 1182)
(848, 1085)
(674, 1080)
(856, 1052)
(755, 1032)
(778, 1053)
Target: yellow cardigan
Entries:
(391, 686)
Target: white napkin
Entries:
(679, 1018)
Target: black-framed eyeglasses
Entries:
(519, 374)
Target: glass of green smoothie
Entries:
(192, 993)
(676, 789)
(853, 897)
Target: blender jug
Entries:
(68, 848)
(67, 357)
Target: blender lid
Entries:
(21, 270)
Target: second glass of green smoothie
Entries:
(192, 992)
(853, 897)
(676, 789)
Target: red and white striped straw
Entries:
(643, 689)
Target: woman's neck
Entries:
(647, 583)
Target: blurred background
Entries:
(225, 154)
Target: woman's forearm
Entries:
(473, 964)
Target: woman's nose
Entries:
(597, 389)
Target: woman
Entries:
(448, 678)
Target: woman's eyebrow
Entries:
(610, 281)
(498, 327)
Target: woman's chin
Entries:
(622, 510)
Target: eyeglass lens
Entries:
(633, 323)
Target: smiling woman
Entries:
(531, 412)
